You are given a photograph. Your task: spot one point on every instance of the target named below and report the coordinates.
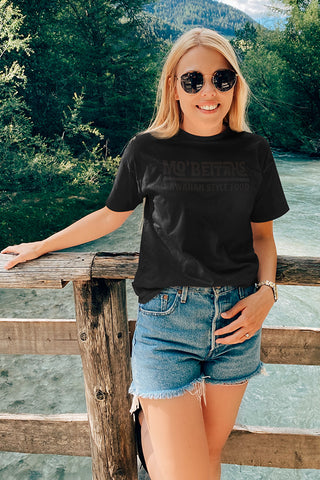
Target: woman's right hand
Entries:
(24, 251)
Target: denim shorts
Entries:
(174, 345)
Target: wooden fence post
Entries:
(103, 335)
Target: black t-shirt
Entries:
(201, 195)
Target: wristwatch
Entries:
(271, 285)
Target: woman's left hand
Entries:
(254, 310)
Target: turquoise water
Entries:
(287, 397)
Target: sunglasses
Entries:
(223, 80)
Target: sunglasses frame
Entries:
(213, 80)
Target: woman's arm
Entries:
(92, 226)
(265, 248)
(254, 309)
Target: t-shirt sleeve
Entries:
(126, 192)
(270, 202)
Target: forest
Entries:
(186, 14)
(78, 79)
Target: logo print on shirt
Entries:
(205, 176)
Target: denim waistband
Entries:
(183, 290)
(218, 288)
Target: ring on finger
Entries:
(247, 335)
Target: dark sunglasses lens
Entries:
(192, 82)
(224, 80)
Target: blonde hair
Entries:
(168, 114)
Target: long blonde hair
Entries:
(168, 114)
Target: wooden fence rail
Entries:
(55, 270)
(285, 345)
(101, 335)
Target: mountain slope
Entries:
(186, 14)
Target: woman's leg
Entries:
(177, 448)
(219, 414)
(148, 452)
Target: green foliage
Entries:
(15, 131)
(27, 217)
(10, 25)
(282, 69)
(43, 182)
(29, 162)
(13, 120)
(186, 14)
(78, 136)
(106, 50)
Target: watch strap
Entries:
(270, 284)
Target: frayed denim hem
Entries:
(196, 385)
(238, 381)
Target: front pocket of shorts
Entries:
(161, 304)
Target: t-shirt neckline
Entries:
(189, 136)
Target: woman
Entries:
(206, 273)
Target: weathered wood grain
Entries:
(290, 345)
(53, 270)
(38, 336)
(115, 265)
(63, 434)
(101, 331)
(273, 447)
(298, 270)
(68, 434)
(103, 335)
(283, 345)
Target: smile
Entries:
(208, 107)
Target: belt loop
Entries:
(184, 294)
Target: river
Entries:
(288, 396)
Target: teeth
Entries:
(208, 107)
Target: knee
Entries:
(215, 456)
(215, 453)
(216, 445)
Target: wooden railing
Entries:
(101, 335)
